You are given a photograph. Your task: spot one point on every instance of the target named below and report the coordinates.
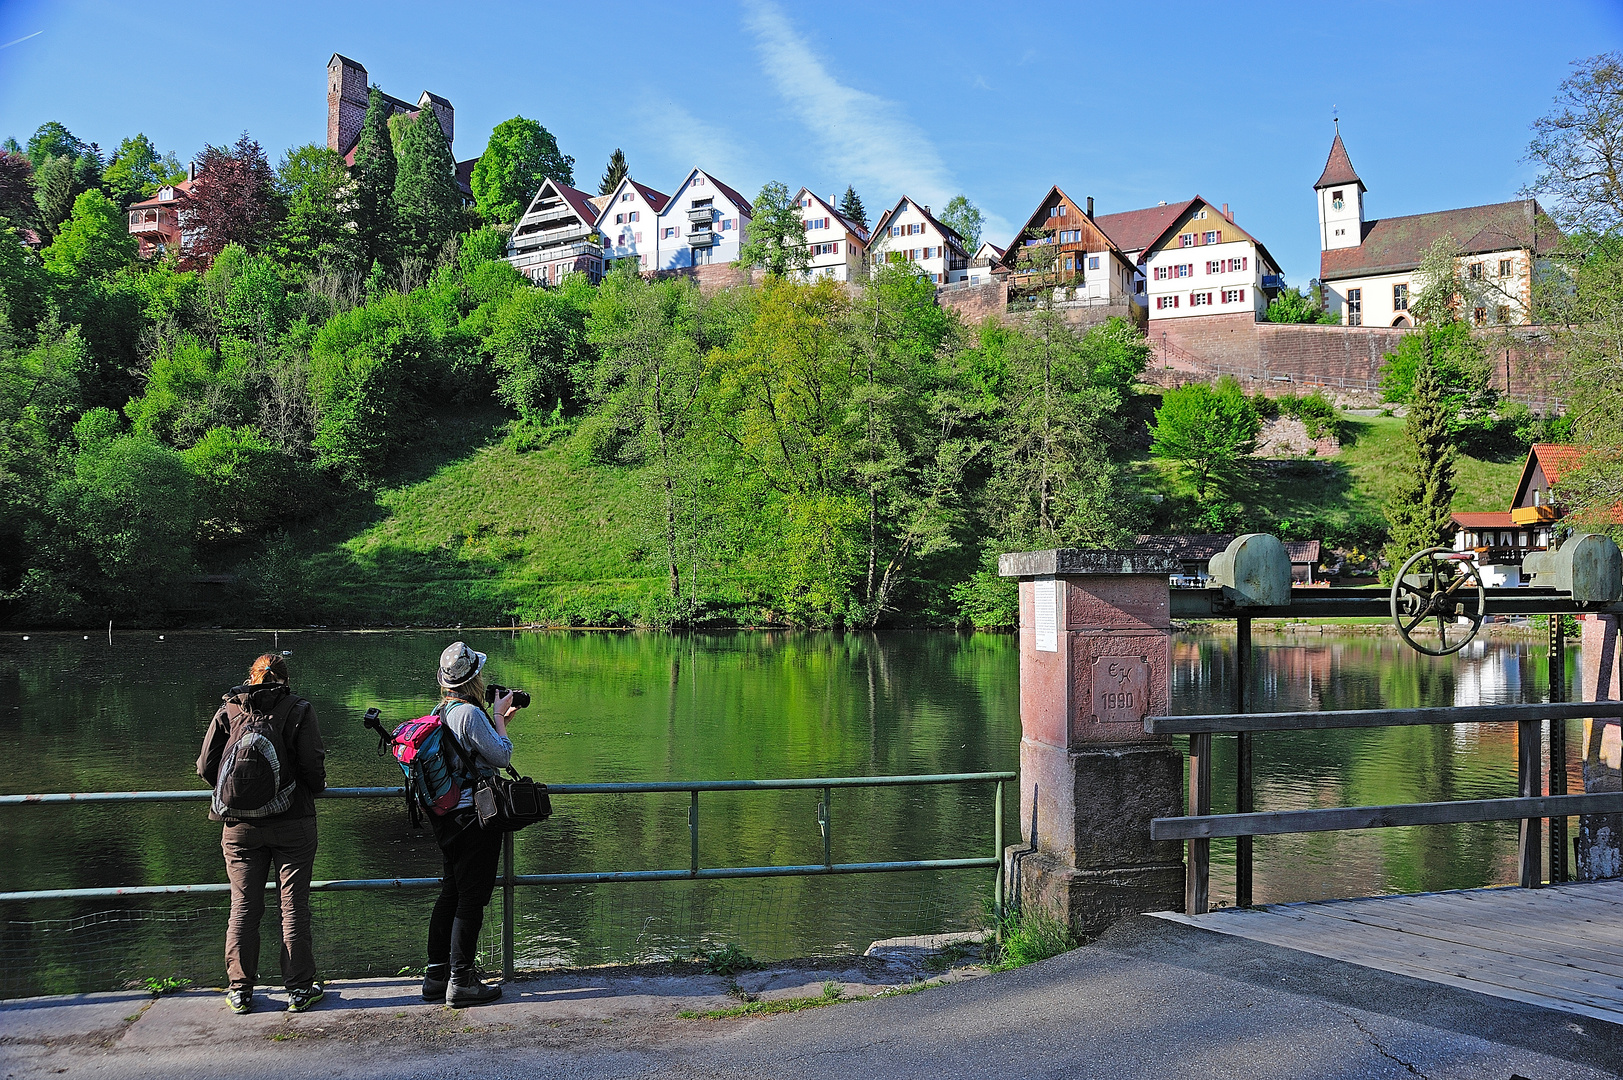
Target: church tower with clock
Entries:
(1341, 201)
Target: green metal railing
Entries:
(510, 880)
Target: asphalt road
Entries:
(1150, 999)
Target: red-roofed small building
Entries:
(557, 236)
(1369, 266)
(156, 222)
(1500, 540)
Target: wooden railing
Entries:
(1200, 826)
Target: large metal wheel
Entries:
(1437, 583)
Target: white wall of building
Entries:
(908, 234)
(1207, 279)
(1500, 295)
(1341, 226)
(727, 224)
(833, 250)
(629, 225)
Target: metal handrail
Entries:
(511, 880)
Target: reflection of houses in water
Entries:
(1484, 676)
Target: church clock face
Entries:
(1337, 204)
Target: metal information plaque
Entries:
(1121, 689)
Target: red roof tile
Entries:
(656, 199)
(1556, 459)
(1393, 245)
(738, 200)
(1338, 168)
(1135, 230)
(1491, 520)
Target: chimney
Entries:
(1090, 207)
(1227, 214)
(191, 170)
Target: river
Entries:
(79, 715)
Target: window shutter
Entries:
(1242, 296)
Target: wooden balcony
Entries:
(1533, 515)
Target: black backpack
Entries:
(257, 775)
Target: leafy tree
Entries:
(426, 200)
(537, 344)
(91, 244)
(1293, 305)
(51, 139)
(1206, 430)
(232, 201)
(964, 218)
(119, 536)
(16, 189)
(913, 423)
(614, 173)
(777, 233)
(1419, 509)
(374, 175)
(1463, 368)
(314, 185)
(851, 207)
(520, 154)
(54, 191)
(650, 341)
(23, 284)
(1578, 147)
(136, 171)
(190, 388)
(243, 482)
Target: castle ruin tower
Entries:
(346, 102)
(1341, 201)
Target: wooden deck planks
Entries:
(1559, 947)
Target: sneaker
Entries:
(461, 995)
(300, 1000)
(239, 1001)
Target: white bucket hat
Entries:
(458, 664)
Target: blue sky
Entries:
(1129, 103)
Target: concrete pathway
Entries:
(1150, 999)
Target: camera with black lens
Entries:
(521, 698)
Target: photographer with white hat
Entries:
(471, 853)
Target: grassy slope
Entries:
(1359, 479)
(492, 533)
(472, 531)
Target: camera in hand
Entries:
(521, 698)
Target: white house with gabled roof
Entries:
(908, 232)
(557, 236)
(629, 224)
(704, 222)
(836, 246)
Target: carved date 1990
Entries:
(1120, 689)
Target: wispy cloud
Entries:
(22, 39)
(689, 142)
(875, 143)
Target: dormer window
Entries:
(1336, 201)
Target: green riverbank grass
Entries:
(472, 530)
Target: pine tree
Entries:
(851, 207)
(615, 173)
(374, 174)
(426, 200)
(1419, 509)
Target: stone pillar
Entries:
(1599, 844)
(1095, 655)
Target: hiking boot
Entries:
(300, 1000)
(239, 1001)
(461, 995)
(435, 980)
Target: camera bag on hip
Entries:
(507, 805)
(503, 804)
(256, 778)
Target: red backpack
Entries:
(431, 758)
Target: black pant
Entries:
(471, 859)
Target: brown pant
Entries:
(250, 852)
